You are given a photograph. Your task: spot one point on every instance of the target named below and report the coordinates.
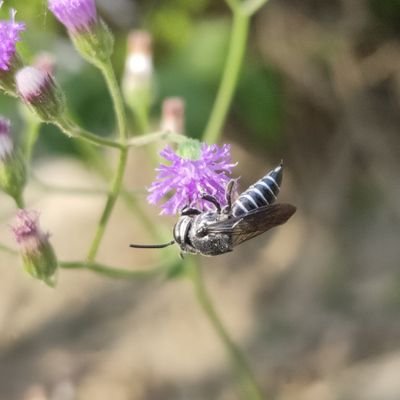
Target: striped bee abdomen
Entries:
(260, 194)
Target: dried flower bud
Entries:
(9, 59)
(12, 166)
(40, 92)
(173, 115)
(38, 256)
(137, 83)
(88, 32)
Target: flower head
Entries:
(89, 34)
(185, 179)
(75, 15)
(37, 253)
(9, 36)
(38, 89)
(27, 231)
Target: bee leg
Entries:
(212, 200)
(189, 211)
(229, 189)
(181, 255)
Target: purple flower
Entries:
(75, 15)
(37, 253)
(27, 231)
(6, 143)
(9, 36)
(185, 180)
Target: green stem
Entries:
(112, 198)
(115, 92)
(131, 200)
(111, 272)
(230, 76)
(66, 189)
(71, 129)
(119, 109)
(243, 371)
(141, 113)
(154, 137)
(32, 134)
(19, 200)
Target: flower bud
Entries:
(137, 82)
(88, 32)
(12, 166)
(173, 115)
(38, 256)
(9, 59)
(39, 91)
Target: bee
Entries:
(211, 233)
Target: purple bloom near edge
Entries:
(75, 15)
(9, 36)
(184, 180)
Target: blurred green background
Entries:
(315, 305)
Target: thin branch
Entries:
(112, 272)
(233, 63)
(154, 137)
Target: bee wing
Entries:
(253, 223)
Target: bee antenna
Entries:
(152, 246)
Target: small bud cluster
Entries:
(192, 169)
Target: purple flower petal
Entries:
(185, 180)
(9, 36)
(27, 231)
(75, 15)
